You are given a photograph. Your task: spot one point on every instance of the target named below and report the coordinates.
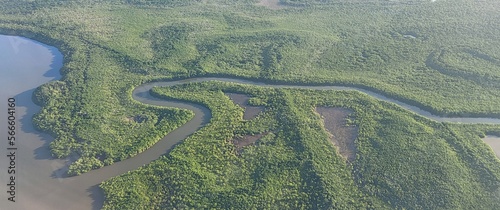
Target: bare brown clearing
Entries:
(246, 140)
(271, 4)
(494, 143)
(241, 142)
(135, 119)
(129, 119)
(242, 100)
(341, 135)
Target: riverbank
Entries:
(47, 174)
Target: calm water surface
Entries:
(40, 182)
(40, 179)
(25, 65)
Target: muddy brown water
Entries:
(40, 182)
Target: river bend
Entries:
(41, 179)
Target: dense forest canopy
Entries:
(442, 56)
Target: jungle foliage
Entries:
(442, 56)
(296, 167)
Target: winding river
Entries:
(40, 181)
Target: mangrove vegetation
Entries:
(442, 56)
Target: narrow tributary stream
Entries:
(40, 182)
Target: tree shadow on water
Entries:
(97, 195)
(25, 100)
(56, 65)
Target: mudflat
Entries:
(494, 143)
(341, 134)
(242, 101)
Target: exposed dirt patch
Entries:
(137, 119)
(494, 143)
(238, 98)
(271, 4)
(246, 140)
(242, 100)
(128, 119)
(341, 135)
